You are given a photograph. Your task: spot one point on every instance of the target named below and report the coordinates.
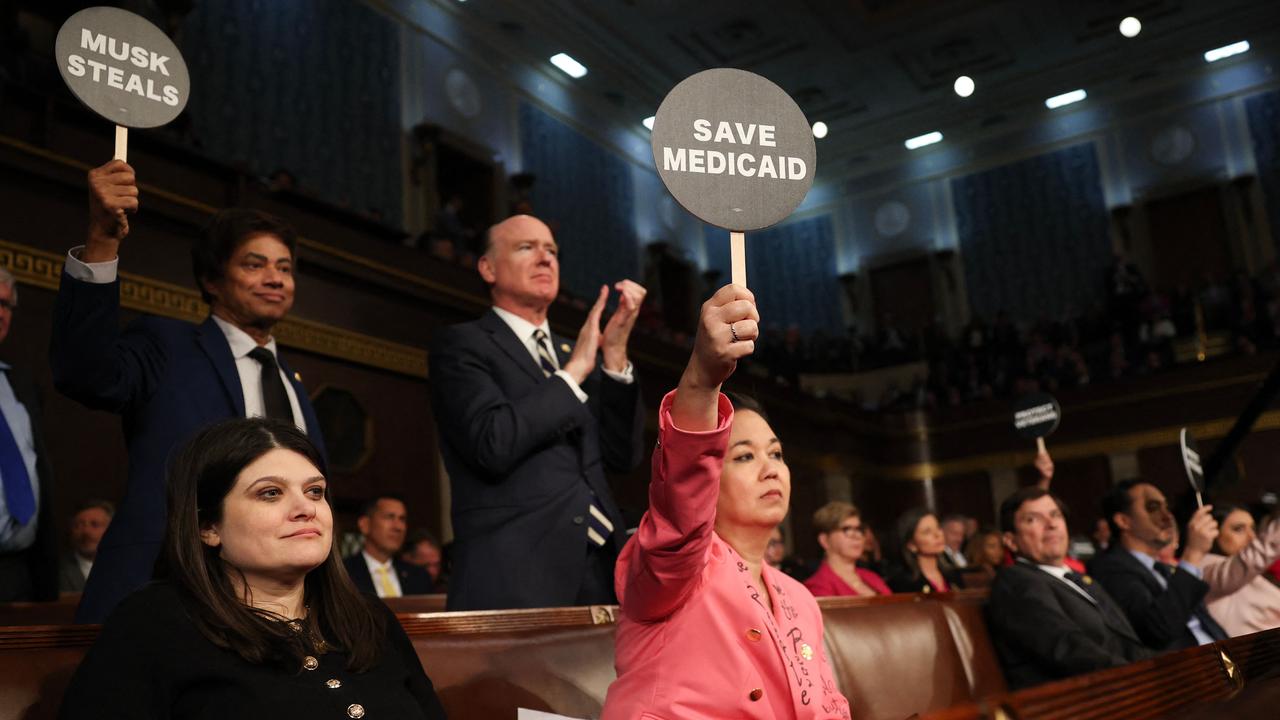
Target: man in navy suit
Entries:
(165, 377)
(528, 425)
(1164, 603)
(1047, 621)
(376, 569)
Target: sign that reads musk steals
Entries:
(733, 149)
(122, 67)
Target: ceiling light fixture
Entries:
(922, 140)
(1227, 51)
(963, 86)
(648, 122)
(1130, 27)
(1066, 98)
(819, 129)
(568, 65)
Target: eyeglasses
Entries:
(850, 531)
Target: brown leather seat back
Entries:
(894, 660)
(33, 681)
(964, 612)
(482, 676)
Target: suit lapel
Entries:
(215, 346)
(505, 339)
(304, 403)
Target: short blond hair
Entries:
(828, 517)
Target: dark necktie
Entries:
(18, 496)
(275, 399)
(544, 353)
(1201, 613)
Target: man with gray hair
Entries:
(28, 550)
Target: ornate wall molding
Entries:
(44, 270)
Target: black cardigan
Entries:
(152, 663)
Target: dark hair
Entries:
(225, 232)
(1220, 512)
(953, 517)
(973, 546)
(741, 401)
(200, 476)
(1118, 500)
(420, 535)
(105, 506)
(904, 531)
(1009, 508)
(370, 506)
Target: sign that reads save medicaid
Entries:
(122, 67)
(733, 149)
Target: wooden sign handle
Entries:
(738, 258)
(122, 144)
(1040, 445)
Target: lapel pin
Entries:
(297, 376)
(1088, 580)
(564, 347)
(806, 652)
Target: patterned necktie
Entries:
(544, 353)
(275, 400)
(18, 496)
(385, 588)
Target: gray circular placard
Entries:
(1036, 415)
(733, 149)
(122, 67)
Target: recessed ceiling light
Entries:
(1066, 98)
(1130, 27)
(1227, 51)
(963, 86)
(819, 129)
(571, 67)
(922, 140)
(648, 122)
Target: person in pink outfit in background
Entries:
(708, 630)
(839, 528)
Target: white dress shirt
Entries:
(524, 330)
(15, 537)
(375, 567)
(1060, 572)
(249, 370)
(1193, 624)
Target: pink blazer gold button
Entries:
(754, 635)
(756, 694)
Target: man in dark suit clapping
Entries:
(528, 424)
(376, 569)
(1049, 622)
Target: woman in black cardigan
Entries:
(918, 567)
(251, 614)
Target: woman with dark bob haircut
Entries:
(250, 614)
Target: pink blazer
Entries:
(697, 640)
(826, 583)
(1240, 598)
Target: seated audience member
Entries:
(984, 553)
(839, 528)
(1101, 536)
(250, 614)
(422, 549)
(1164, 603)
(376, 569)
(1047, 621)
(917, 563)
(776, 551)
(707, 629)
(872, 552)
(87, 527)
(1240, 597)
(953, 535)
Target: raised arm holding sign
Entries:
(1036, 416)
(736, 151)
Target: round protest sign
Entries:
(1036, 415)
(122, 67)
(1191, 461)
(733, 149)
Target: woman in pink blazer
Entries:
(1242, 598)
(708, 630)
